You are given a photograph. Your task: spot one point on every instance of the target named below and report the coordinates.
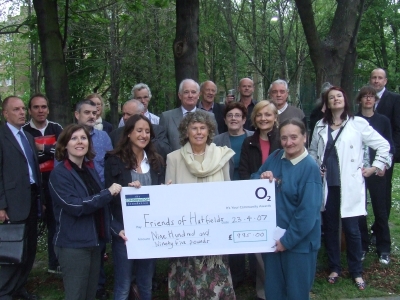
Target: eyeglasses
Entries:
(236, 116)
(368, 97)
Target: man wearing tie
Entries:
(188, 93)
(19, 193)
(388, 105)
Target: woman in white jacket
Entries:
(341, 165)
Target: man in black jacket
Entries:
(39, 126)
(208, 91)
(389, 106)
(20, 193)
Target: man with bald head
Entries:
(135, 107)
(246, 90)
(20, 193)
(388, 105)
(208, 91)
(188, 93)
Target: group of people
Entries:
(200, 141)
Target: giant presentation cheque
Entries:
(199, 218)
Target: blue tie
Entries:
(29, 154)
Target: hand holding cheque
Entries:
(181, 220)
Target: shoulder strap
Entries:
(333, 145)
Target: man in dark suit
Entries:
(135, 107)
(388, 105)
(188, 93)
(19, 193)
(208, 91)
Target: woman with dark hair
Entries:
(135, 163)
(199, 160)
(81, 211)
(376, 183)
(100, 123)
(290, 270)
(337, 146)
(235, 118)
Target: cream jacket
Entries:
(350, 155)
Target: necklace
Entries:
(337, 124)
(197, 154)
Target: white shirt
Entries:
(379, 94)
(184, 111)
(18, 138)
(283, 109)
(144, 164)
(152, 117)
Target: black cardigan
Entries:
(116, 172)
(251, 156)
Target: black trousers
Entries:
(14, 277)
(377, 187)
(389, 176)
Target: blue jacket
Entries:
(298, 195)
(74, 209)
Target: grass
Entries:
(382, 281)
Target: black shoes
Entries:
(102, 294)
(23, 294)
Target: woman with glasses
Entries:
(337, 146)
(235, 118)
(290, 269)
(376, 183)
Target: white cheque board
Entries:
(212, 218)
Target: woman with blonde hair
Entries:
(255, 151)
(100, 123)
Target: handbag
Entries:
(12, 243)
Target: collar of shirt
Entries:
(283, 109)
(379, 94)
(18, 138)
(298, 159)
(203, 108)
(144, 164)
(15, 131)
(184, 111)
(34, 126)
(379, 97)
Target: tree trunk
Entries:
(186, 41)
(329, 56)
(347, 82)
(115, 64)
(54, 67)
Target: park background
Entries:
(70, 48)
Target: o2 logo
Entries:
(261, 193)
